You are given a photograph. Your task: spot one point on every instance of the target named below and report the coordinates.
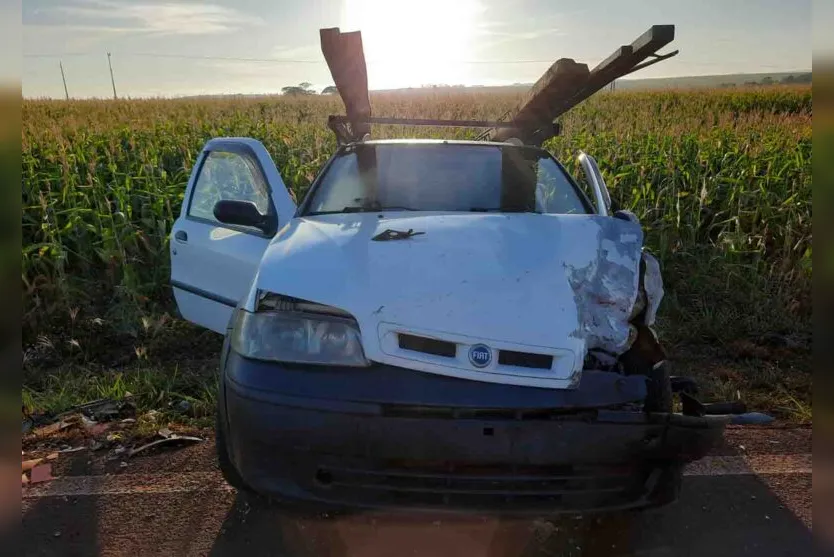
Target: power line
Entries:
(377, 61)
(274, 60)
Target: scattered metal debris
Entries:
(172, 439)
(106, 409)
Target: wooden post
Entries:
(64, 79)
(112, 81)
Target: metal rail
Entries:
(424, 122)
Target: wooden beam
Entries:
(653, 40)
(621, 62)
(561, 80)
(566, 84)
(346, 59)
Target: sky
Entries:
(173, 48)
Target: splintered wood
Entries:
(346, 59)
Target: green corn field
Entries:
(721, 181)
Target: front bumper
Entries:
(388, 437)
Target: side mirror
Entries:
(244, 213)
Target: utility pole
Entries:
(63, 78)
(112, 81)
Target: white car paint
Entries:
(542, 283)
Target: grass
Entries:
(151, 387)
(721, 181)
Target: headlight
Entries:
(308, 338)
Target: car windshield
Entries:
(445, 177)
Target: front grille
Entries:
(525, 359)
(485, 487)
(446, 349)
(427, 345)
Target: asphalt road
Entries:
(751, 497)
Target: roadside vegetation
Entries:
(720, 179)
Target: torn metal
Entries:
(617, 295)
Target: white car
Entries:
(439, 324)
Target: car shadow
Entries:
(67, 528)
(716, 516)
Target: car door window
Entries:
(554, 193)
(226, 175)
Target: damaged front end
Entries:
(617, 295)
(617, 298)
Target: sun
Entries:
(414, 43)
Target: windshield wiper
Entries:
(395, 235)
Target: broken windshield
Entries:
(445, 177)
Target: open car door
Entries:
(214, 263)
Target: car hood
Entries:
(531, 283)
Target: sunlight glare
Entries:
(413, 43)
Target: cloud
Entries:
(165, 18)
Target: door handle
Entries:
(181, 236)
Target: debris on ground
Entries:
(29, 464)
(94, 418)
(106, 409)
(167, 438)
(51, 429)
(41, 473)
(752, 418)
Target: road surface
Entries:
(752, 496)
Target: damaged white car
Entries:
(439, 324)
